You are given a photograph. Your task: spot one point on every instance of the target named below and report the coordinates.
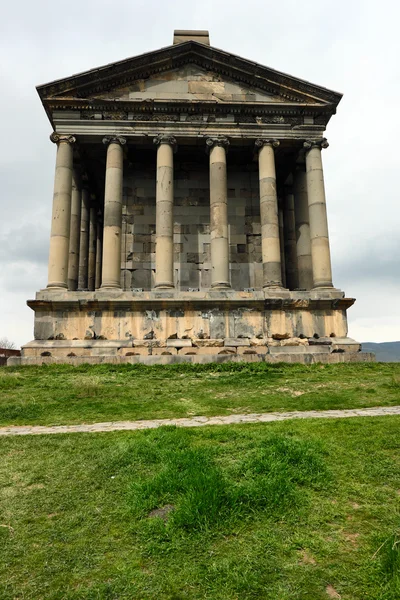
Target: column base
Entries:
(57, 286)
(221, 285)
(164, 286)
(324, 286)
(108, 286)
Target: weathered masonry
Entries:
(189, 215)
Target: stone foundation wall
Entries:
(160, 323)
(105, 326)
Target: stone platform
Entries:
(164, 327)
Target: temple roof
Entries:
(274, 85)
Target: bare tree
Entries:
(6, 344)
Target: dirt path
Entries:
(199, 421)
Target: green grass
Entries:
(278, 511)
(61, 394)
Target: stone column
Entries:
(320, 251)
(84, 241)
(271, 254)
(99, 251)
(165, 211)
(292, 279)
(282, 245)
(111, 271)
(74, 231)
(61, 217)
(219, 240)
(92, 248)
(303, 242)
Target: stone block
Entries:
(141, 278)
(295, 341)
(188, 351)
(236, 342)
(208, 343)
(179, 343)
(169, 351)
(209, 350)
(299, 350)
(253, 349)
(345, 345)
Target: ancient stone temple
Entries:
(189, 215)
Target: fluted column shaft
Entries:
(61, 215)
(292, 278)
(270, 246)
(84, 241)
(74, 232)
(219, 239)
(320, 251)
(92, 248)
(165, 212)
(99, 252)
(303, 241)
(111, 277)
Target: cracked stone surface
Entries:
(379, 411)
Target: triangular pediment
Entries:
(189, 71)
(187, 83)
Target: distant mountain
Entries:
(385, 352)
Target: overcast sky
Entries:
(352, 46)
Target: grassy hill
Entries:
(384, 351)
(62, 394)
(277, 511)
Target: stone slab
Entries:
(308, 358)
(299, 350)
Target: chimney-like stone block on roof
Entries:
(187, 35)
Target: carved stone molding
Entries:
(217, 141)
(165, 139)
(265, 142)
(57, 138)
(308, 144)
(114, 139)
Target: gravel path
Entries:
(199, 421)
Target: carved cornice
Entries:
(146, 301)
(273, 112)
(114, 139)
(260, 143)
(217, 141)
(308, 144)
(165, 139)
(57, 138)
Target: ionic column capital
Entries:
(165, 139)
(114, 139)
(261, 142)
(217, 141)
(57, 138)
(308, 144)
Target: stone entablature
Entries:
(189, 205)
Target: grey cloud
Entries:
(372, 259)
(28, 244)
